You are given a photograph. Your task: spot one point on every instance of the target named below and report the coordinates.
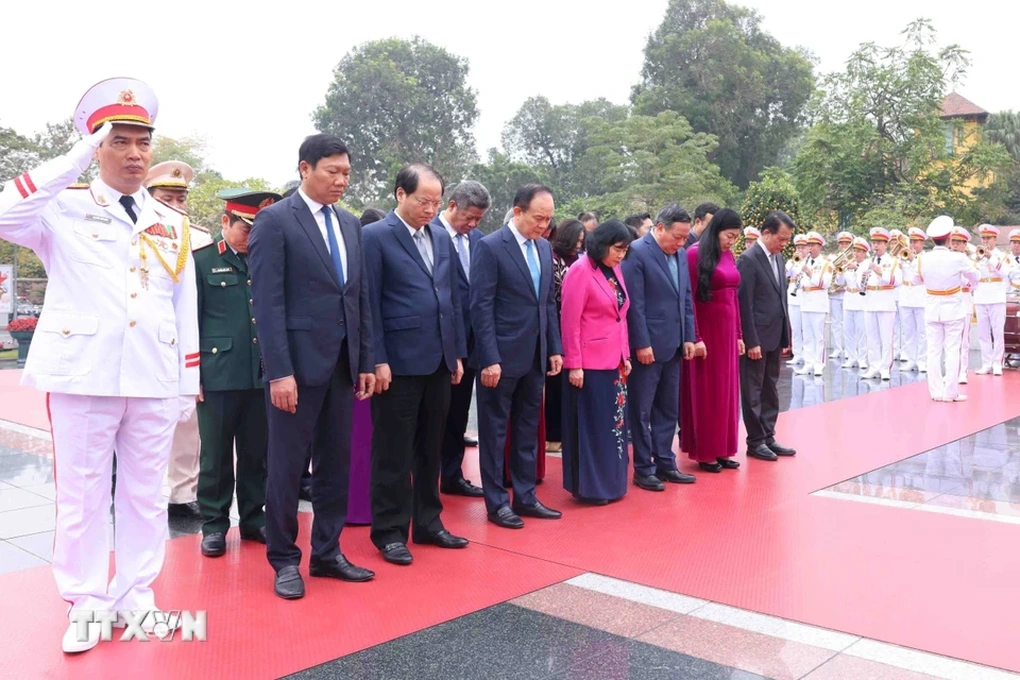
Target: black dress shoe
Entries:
(537, 510)
(184, 510)
(289, 585)
(462, 487)
(710, 467)
(761, 452)
(214, 545)
(470, 441)
(506, 518)
(779, 449)
(339, 568)
(397, 553)
(442, 539)
(649, 483)
(258, 535)
(676, 477)
(728, 463)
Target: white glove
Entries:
(84, 149)
(187, 406)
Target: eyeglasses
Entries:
(423, 203)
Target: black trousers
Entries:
(321, 423)
(553, 409)
(456, 425)
(408, 421)
(759, 396)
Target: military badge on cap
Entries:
(170, 175)
(245, 204)
(123, 101)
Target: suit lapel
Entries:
(311, 229)
(514, 249)
(660, 256)
(602, 281)
(404, 238)
(350, 238)
(763, 260)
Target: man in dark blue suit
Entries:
(419, 347)
(315, 331)
(466, 207)
(661, 326)
(517, 340)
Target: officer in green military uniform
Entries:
(232, 407)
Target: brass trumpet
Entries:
(796, 259)
(839, 264)
(900, 247)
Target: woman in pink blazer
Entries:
(596, 363)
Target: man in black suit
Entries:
(465, 208)
(517, 340)
(419, 352)
(315, 330)
(703, 214)
(766, 324)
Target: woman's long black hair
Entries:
(709, 251)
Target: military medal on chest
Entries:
(160, 238)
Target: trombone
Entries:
(839, 266)
(900, 247)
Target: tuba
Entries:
(900, 247)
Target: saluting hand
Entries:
(283, 394)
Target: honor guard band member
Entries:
(232, 408)
(169, 182)
(879, 281)
(943, 274)
(912, 303)
(959, 241)
(116, 349)
(854, 339)
(793, 269)
(815, 278)
(990, 301)
(1014, 263)
(837, 292)
(751, 236)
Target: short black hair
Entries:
(941, 241)
(371, 215)
(775, 220)
(527, 193)
(317, 147)
(706, 208)
(234, 218)
(607, 234)
(637, 219)
(671, 214)
(586, 217)
(564, 239)
(410, 175)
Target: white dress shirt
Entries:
(521, 241)
(465, 242)
(426, 238)
(320, 220)
(773, 263)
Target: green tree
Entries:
(712, 63)
(775, 191)
(190, 150)
(398, 101)
(503, 177)
(878, 147)
(1004, 128)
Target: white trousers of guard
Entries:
(915, 335)
(182, 474)
(836, 323)
(853, 329)
(965, 347)
(879, 328)
(812, 326)
(944, 338)
(991, 323)
(797, 341)
(85, 432)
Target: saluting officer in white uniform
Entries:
(912, 303)
(990, 301)
(837, 294)
(815, 277)
(854, 341)
(116, 348)
(880, 279)
(793, 270)
(943, 274)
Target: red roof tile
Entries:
(955, 106)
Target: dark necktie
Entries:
(334, 245)
(129, 207)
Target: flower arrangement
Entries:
(25, 324)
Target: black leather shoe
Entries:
(462, 487)
(340, 568)
(470, 441)
(214, 545)
(728, 463)
(537, 510)
(184, 510)
(761, 452)
(649, 483)
(397, 553)
(289, 585)
(256, 535)
(506, 518)
(710, 467)
(779, 449)
(441, 539)
(676, 477)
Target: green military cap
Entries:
(244, 203)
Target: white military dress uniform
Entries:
(912, 303)
(961, 235)
(880, 308)
(815, 277)
(990, 305)
(836, 297)
(854, 341)
(943, 273)
(793, 270)
(115, 349)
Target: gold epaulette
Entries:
(79, 185)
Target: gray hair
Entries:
(471, 194)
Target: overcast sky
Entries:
(248, 81)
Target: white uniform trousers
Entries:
(915, 335)
(797, 339)
(836, 324)
(813, 328)
(182, 473)
(965, 348)
(991, 323)
(898, 334)
(944, 337)
(854, 340)
(85, 432)
(879, 328)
